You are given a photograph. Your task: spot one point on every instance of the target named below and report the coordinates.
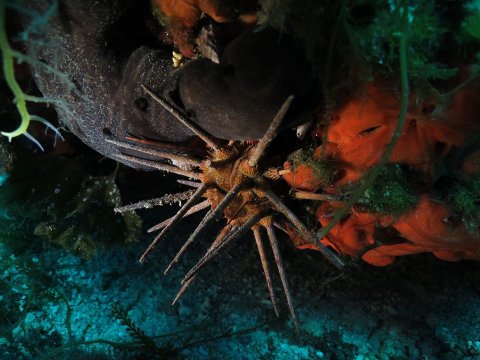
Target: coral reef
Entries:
(351, 126)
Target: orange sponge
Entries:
(356, 139)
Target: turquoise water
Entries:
(58, 306)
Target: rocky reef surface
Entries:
(58, 306)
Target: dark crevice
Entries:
(136, 27)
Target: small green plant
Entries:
(146, 344)
(9, 56)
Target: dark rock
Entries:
(238, 98)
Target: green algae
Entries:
(63, 204)
(466, 201)
(471, 24)
(390, 192)
(376, 40)
(323, 171)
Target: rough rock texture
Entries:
(98, 45)
(241, 95)
(419, 308)
(108, 49)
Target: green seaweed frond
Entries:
(21, 99)
(148, 346)
(122, 315)
(9, 73)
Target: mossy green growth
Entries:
(390, 193)
(471, 23)
(64, 204)
(321, 169)
(366, 32)
(81, 225)
(376, 41)
(466, 202)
